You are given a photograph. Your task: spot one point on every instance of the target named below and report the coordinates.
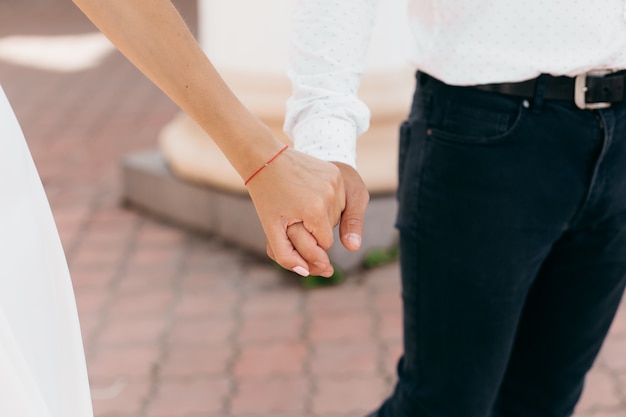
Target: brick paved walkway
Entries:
(181, 325)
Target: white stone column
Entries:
(247, 40)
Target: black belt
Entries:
(593, 90)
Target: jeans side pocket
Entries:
(413, 148)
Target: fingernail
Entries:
(328, 274)
(301, 271)
(354, 239)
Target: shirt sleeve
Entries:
(329, 44)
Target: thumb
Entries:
(357, 198)
(351, 228)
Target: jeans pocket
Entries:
(474, 117)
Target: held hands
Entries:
(299, 200)
(350, 225)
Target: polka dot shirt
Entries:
(458, 41)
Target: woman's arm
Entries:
(295, 188)
(154, 37)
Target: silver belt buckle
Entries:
(580, 89)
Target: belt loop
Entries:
(540, 88)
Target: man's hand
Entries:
(357, 198)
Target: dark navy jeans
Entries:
(512, 222)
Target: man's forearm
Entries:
(330, 40)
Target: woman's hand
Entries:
(297, 189)
(299, 213)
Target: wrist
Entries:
(266, 164)
(246, 142)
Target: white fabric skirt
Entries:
(42, 363)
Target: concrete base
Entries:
(149, 184)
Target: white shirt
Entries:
(462, 42)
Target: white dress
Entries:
(42, 363)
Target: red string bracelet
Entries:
(266, 164)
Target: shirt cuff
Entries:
(328, 139)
